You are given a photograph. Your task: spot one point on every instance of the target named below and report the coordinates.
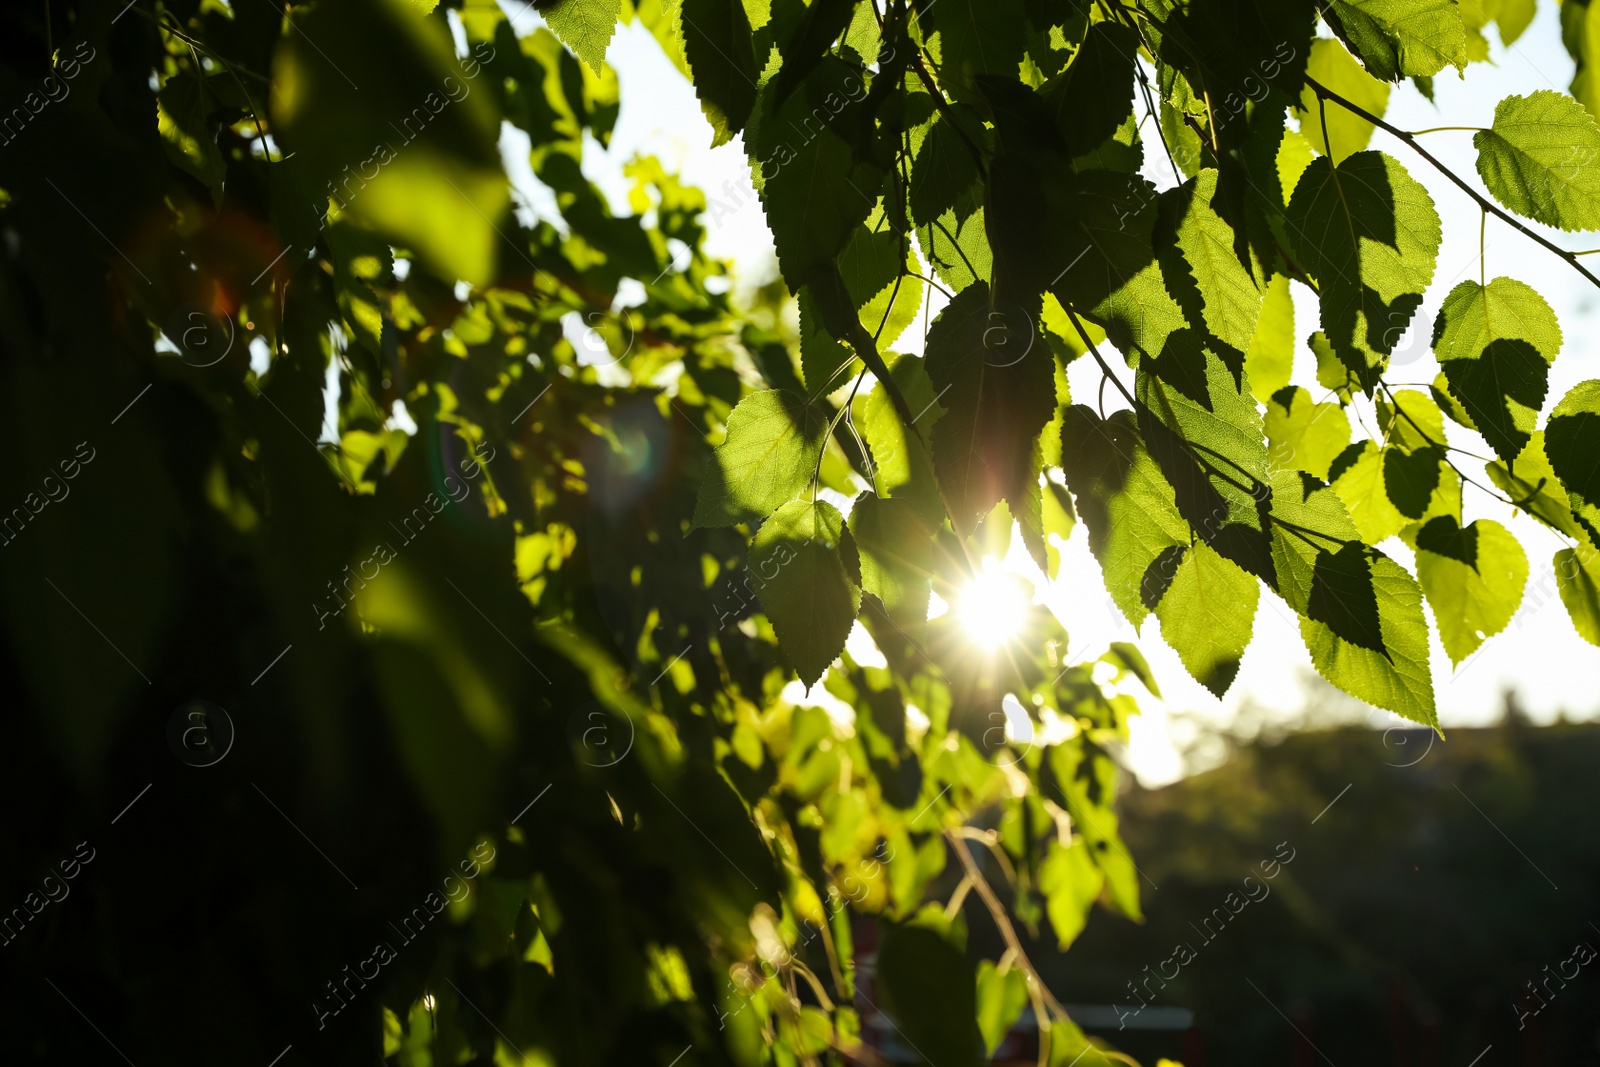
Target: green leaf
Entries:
(821, 357)
(1231, 300)
(1085, 781)
(1058, 518)
(1093, 98)
(1126, 657)
(1578, 581)
(979, 37)
(1359, 482)
(1001, 998)
(903, 467)
(768, 456)
(1448, 403)
(1402, 38)
(815, 191)
(818, 28)
(1367, 635)
(811, 598)
(1334, 67)
(1304, 435)
(1123, 499)
(1332, 374)
(416, 161)
(1071, 884)
(586, 26)
(1368, 232)
(870, 262)
(1099, 229)
(1236, 50)
(896, 546)
(1570, 441)
(1539, 159)
(1410, 478)
(957, 244)
(1206, 434)
(182, 108)
(1513, 18)
(998, 380)
(930, 992)
(895, 307)
(1473, 577)
(1269, 361)
(1496, 344)
(1411, 419)
(1531, 482)
(1207, 614)
(942, 172)
(1308, 518)
(724, 72)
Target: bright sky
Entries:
(1539, 655)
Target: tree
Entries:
(388, 504)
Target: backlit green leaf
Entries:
(999, 378)
(586, 26)
(1402, 38)
(1473, 577)
(182, 108)
(1123, 499)
(1304, 435)
(896, 547)
(768, 456)
(1270, 358)
(1001, 998)
(812, 598)
(1207, 614)
(1538, 159)
(1369, 233)
(1334, 67)
(717, 46)
(1578, 580)
(1569, 441)
(1231, 298)
(1496, 344)
(1384, 664)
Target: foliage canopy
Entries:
(539, 522)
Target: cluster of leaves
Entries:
(298, 227)
(403, 474)
(1005, 145)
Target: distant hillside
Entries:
(1430, 902)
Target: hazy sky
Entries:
(1539, 654)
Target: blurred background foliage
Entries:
(1439, 900)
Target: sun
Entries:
(993, 607)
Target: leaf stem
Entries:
(1442, 129)
(1095, 352)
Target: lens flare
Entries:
(993, 608)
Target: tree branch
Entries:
(1486, 204)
